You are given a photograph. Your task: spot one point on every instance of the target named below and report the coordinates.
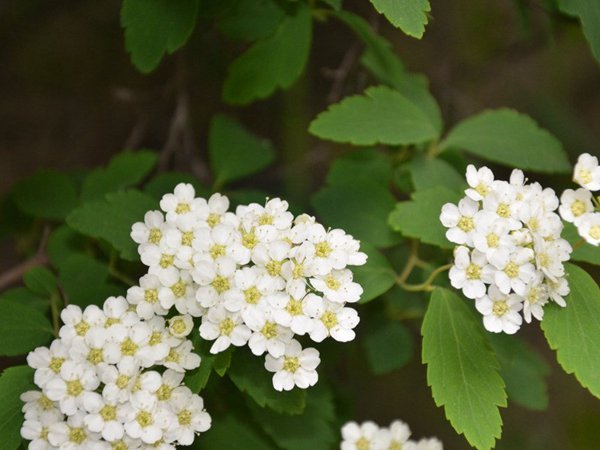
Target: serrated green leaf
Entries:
(124, 170)
(420, 217)
(272, 63)
(62, 243)
(388, 345)
(234, 152)
(313, 429)
(156, 27)
(22, 328)
(13, 382)
(508, 137)
(26, 297)
(367, 164)
(85, 280)
(46, 195)
(587, 253)
(230, 433)
(462, 370)
(428, 173)
(589, 14)
(574, 331)
(40, 280)
(380, 116)
(165, 183)
(376, 277)
(523, 370)
(360, 208)
(249, 375)
(111, 219)
(250, 20)
(197, 379)
(408, 15)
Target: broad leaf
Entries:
(250, 20)
(428, 173)
(589, 14)
(462, 370)
(40, 281)
(197, 379)
(507, 137)
(272, 63)
(368, 164)
(420, 217)
(111, 219)
(380, 116)
(156, 27)
(574, 331)
(388, 346)
(523, 370)
(249, 375)
(124, 170)
(360, 208)
(313, 429)
(165, 183)
(25, 296)
(230, 433)
(22, 328)
(13, 382)
(234, 152)
(587, 253)
(376, 277)
(46, 195)
(408, 15)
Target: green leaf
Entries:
(249, 375)
(124, 170)
(586, 253)
(13, 382)
(380, 116)
(85, 280)
(408, 15)
(388, 346)
(22, 328)
(111, 219)
(165, 183)
(46, 195)
(156, 27)
(234, 152)
(376, 277)
(428, 173)
(367, 164)
(360, 208)
(420, 217)
(462, 370)
(574, 331)
(379, 59)
(40, 281)
(250, 20)
(62, 243)
(247, 196)
(589, 14)
(272, 63)
(230, 433)
(26, 297)
(507, 137)
(197, 379)
(313, 429)
(523, 370)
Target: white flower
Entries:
(47, 361)
(589, 228)
(73, 435)
(550, 255)
(332, 319)
(214, 280)
(500, 311)
(70, 388)
(325, 249)
(536, 296)
(151, 230)
(145, 419)
(145, 297)
(514, 271)
(39, 407)
(396, 436)
(119, 380)
(181, 205)
(295, 368)
(424, 444)
(361, 436)
(182, 358)
(161, 262)
(103, 417)
(338, 286)
(224, 328)
(289, 312)
(37, 429)
(470, 272)
(480, 181)
(78, 322)
(491, 235)
(249, 295)
(181, 326)
(557, 290)
(267, 336)
(587, 172)
(575, 205)
(460, 220)
(191, 417)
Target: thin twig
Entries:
(340, 75)
(40, 258)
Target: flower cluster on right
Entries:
(510, 253)
(369, 436)
(579, 206)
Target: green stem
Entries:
(116, 273)
(577, 245)
(55, 312)
(426, 285)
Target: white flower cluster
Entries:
(98, 391)
(579, 206)
(510, 255)
(369, 436)
(258, 276)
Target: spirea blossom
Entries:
(510, 255)
(580, 207)
(368, 435)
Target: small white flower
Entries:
(224, 328)
(500, 311)
(145, 419)
(191, 417)
(181, 326)
(361, 436)
(536, 296)
(480, 181)
(70, 388)
(289, 312)
(460, 220)
(424, 444)
(73, 435)
(295, 368)
(589, 228)
(182, 358)
(515, 271)
(587, 172)
(470, 272)
(267, 336)
(332, 319)
(103, 417)
(151, 230)
(338, 286)
(47, 361)
(145, 297)
(575, 205)
(396, 436)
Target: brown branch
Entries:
(15, 274)
(340, 75)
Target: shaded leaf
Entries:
(22, 328)
(13, 382)
(589, 14)
(40, 281)
(367, 164)
(428, 173)
(230, 433)
(376, 277)
(408, 15)
(388, 345)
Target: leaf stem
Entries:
(116, 273)
(412, 261)
(426, 285)
(55, 312)
(577, 245)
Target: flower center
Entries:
(578, 208)
(213, 219)
(492, 240)
(585, 176)
(269, 330)
(482, 189)
(291, 364)
(187, 238)
(164, 392)
(273, 268)
(503, 210)
(56, 364)
(395, 445)
(363, 444)
(74, 388)
(466, 224)
(108, 413)
(512, 270)
(294, 307)
(183, 208)
(144, 418)
(151, 296)
(120, 445)
(595, 232)
(173, 356)
(166, 261)
(329, 319)
(500, 308)
(332, 283)
(44, 433)
(217, 250)
(77, 435)
(323, 249)
(252, 295)
(220, 283)
(179, 289)
(122, 381)
(226, 326)
(45, 403)
(473, 272)
(298, 270)
(249, 239)
(178, 326)
(95, 356)
(184, 417)
(128, 347)
(82, 328)
(155, 338)
(265, 219)
(155, 236)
